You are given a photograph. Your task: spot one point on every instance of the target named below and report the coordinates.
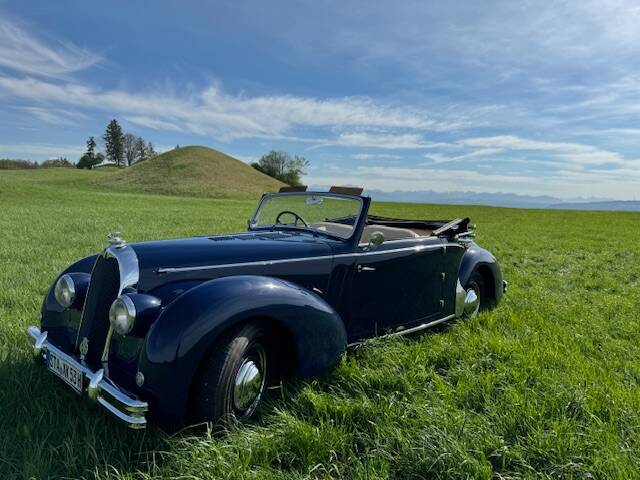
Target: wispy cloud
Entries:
(23, 52)
(384, 140)
(228, 117)
(569, 152)
(27, 150)
(154, 123)
(54, 116)
(483, 152)
(498, 96)
(368, 156)
(618, 183)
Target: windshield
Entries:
(329, 214)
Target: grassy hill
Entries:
(545, 386)
(191, 171)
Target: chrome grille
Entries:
(103, 290)
(114, 270)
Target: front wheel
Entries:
(233, 378)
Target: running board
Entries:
(418, 328)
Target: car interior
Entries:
(391, 228)
(395, 228)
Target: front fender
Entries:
(186, 330)
(60, 323)
(477, 258)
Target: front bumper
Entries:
(122, 405)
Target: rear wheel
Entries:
(475, 287)
(233, 379)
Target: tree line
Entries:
(11, 164)
(123, 149)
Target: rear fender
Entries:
(189, 327)
(478, 259)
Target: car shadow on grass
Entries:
(48, 430)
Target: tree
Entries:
(90, 158)
(89, 162)
(141, 150)
(130, 148)
(91, 146)
(281, 165)
(151, 152)
(114, 145)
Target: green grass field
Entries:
(545, 386)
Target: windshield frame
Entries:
(301, 228)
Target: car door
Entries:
(397, 284)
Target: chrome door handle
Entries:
(366, 269)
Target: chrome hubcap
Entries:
(471, 303)
(250, 382)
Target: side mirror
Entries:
(376, 238)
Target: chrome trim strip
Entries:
(123, 405)
(129, 276)
(418, 328)
(127, 264)
(266, 263)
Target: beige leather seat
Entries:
(390, 233)
(335, 228)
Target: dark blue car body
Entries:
(318, 295)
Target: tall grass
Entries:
(545, 386)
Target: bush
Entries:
(57, 162)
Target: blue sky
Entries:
(538, 98)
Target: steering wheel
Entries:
(296, 216)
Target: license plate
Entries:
(66, 371)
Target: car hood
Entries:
(165, 255)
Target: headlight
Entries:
(65, 291)
(122, 314)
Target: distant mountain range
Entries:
(620, 206)
(511, 200)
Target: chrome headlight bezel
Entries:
(65, 291)
(122, 315)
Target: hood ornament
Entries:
(116, 240)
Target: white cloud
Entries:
(391, 141)
(619, 183)
(153, 123)
(27, 150)
(483, 152)
(406, 178)
(568, 152)
(22, 52)
(54, 116)
(227, 117)
(281, 111)
(368, 156)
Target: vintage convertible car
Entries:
(195, 329)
